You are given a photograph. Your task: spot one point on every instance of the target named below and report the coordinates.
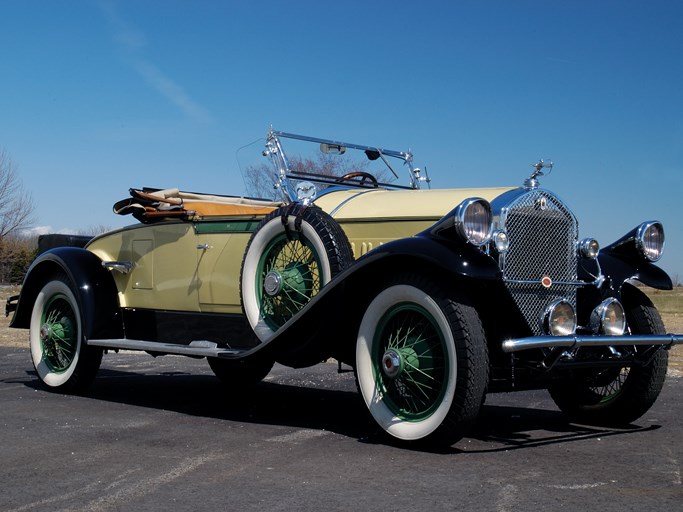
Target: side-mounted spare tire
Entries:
(294, 252)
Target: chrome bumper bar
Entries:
(571, 342)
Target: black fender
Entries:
(95, 290)
(327, 325)
(619, 269)
(441, 254)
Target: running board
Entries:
(200, 348)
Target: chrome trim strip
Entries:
(565, 283)
(519, 344)
(403, 155)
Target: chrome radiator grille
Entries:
(543, 235)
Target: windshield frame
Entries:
(284, 174)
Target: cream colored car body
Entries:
(194, 265)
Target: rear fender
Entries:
(95, 290)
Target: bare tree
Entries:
(260, 180)
(16, 204)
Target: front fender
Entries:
(95, 290)
(454, 258)
(325, 325)
(618, 269)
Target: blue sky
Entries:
(100, 96)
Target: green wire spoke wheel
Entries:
(288, 276)
(421, 360)
(294, 252)
(410, 359)
(59, 333)
(60, 356)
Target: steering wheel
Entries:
(364, 176)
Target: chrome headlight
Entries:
(473, 221)
(609, 318)
(589, 248)
(559, 319)
(650, 240)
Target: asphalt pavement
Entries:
(164, 434)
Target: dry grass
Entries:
(670, 306)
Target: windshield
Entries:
(300, 167)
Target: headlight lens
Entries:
(559, 319)
(650, 240)
(609, 318)
(473, 221)
(589, 248)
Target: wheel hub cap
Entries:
(45, 332)
(397, 360)
(392, 364)
(272, 284)
(295, 277)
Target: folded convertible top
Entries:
(150, 205)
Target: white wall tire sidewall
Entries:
(385, 418)
(49, 377)
(259, 243)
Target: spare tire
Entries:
(294, 252)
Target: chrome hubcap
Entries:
(392, 364)
(45, 332)
(272, 283)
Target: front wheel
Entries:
(421, 362)
(617, 396)
(60, 356)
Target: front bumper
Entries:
(573, 342)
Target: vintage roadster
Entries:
(434, 297)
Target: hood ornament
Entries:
(531, 182)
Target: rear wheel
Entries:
(291, 256)
(618, 396)
(421, 362)
(60, 356)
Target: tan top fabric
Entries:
(148, 206)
